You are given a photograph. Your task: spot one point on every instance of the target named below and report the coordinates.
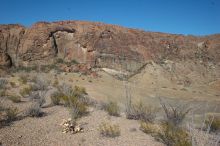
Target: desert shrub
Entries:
(38, 97)
(3, 92)
(79, 91)
(201, 136)
(141, 111)
(149, 128)
(34, 110)
(72, 62)
(175, 115)
(109, 130)
(26, 69)
(3, 83)
(14, 98)
(40, 84)
(74, 99)
(59, 60)
(56, 83)
(23, 78)
(7, 115)
(77, 107)
(173, 136)
(11, 114)
(112, 108)
(47, 68)
(13, 85)
(56, 97)
(213, 123)
(26, 91)
(70, 94)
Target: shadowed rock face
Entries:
(101, 45)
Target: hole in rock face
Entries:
(6, 60)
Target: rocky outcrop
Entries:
(101, 45)
(10, 36)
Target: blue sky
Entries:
(197, 17)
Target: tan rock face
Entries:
(10, 36)
(101, 45)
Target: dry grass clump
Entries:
(23, 78)
(26, 91)
(40, 83)
(13, 85)
(109, 130)
(56, 83)
(56, 98)
(38, 97)
(11, 114)
(77, 109)
(173, 136)
(14, 98)
(174, 114)
(112, 108)
(149, 128)
(74, 98)
(169, 130)
(7, 115)
(34, 111)
(141, 111)
(213, 123)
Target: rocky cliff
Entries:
(102, 45)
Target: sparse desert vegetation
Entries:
(91, 84)
(166, 123)
(112, 108)
(109, 130)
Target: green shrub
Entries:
(173, 136)
(109, 130)
(77, 107)
(15, 99)
(112, 108)
(74, 99)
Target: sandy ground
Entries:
(47, 131)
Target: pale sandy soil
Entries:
(47, 131)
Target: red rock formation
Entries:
(101, 45)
